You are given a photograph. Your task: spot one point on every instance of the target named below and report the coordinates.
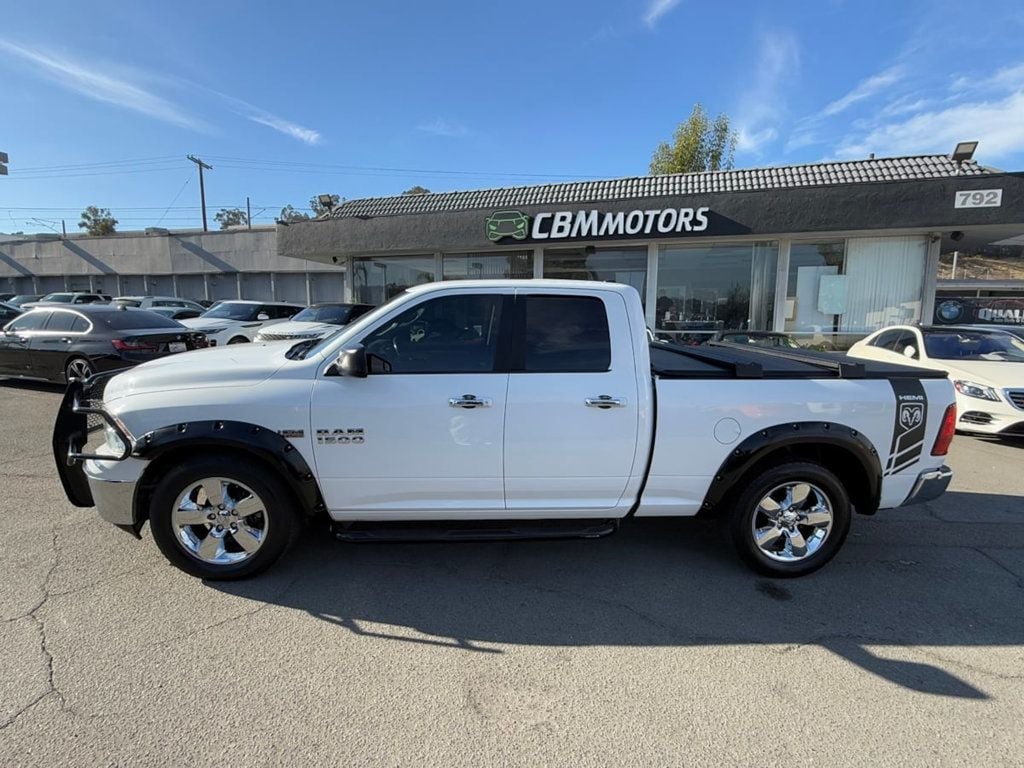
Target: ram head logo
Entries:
(911, 415)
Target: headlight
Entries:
(979, 391)
(113, 443)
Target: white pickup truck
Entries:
(499, 409)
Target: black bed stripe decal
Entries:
(909, 424)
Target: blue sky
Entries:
(101, 101)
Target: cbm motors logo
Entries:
(911, 415)
(502, 224)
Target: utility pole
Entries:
(248, 213)
(202, 188)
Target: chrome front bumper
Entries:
(930, 485)
(114, 500)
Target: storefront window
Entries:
(808, 263)
(615, 265)
(375, 280)
(886, 280)
(488, 266)
(706, 289)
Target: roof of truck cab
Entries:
(531, 283)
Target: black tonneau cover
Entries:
(724, 360)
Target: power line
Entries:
(182, 189)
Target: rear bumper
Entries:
(930, 485)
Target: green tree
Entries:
(417, 190)
(319, 209)
(97, 221)
(699, 144)
(231, 217)
(290, 214)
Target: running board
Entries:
(473, 530)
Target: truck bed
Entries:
(725, 360)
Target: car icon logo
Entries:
(502, 224)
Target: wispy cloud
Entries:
(121, 88)
(865, 89)
(656, 9)
(258, 115)
(124, 88)
(288, 128)
(995, 124)
(763, 105)
(441, 127)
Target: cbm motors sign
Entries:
(594, 224)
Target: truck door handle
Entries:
(604, 402)
(469, 401)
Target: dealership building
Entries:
(826, 252)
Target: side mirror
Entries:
(352, 362)
(910, 351)
(262, 316)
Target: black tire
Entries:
(740, 519)
(239, 340)
(78, 365)
(282, 522)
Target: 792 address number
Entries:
(979, 198)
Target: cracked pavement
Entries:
(652, 646)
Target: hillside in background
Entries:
(978, 267)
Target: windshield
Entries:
(61, 297)
(304, 351)
(230, 310)
(336, 314)
(137, 319)
(970, 345)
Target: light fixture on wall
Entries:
(956, 236)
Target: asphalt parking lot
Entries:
(650, 647)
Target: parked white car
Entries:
(314, 322)
(500, 409)
(237, 322)
(151, 302)
(985, 365)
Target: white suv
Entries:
(236, 322)
(315, 322)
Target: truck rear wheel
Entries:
(222, 518)
(790, 520)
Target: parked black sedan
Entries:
(8, 312)
(55, 343)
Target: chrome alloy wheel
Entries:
(79, 369)
(792, 521)
(220, 521)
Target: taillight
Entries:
(946, 432)
(134, 346)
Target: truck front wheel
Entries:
(790, 520)
(222, 518)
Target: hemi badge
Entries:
(291, 432)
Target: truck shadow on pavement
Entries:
(918, 583)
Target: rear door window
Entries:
(566, 334)
(61, 321)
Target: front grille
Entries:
(976, 417)
(1016, 396)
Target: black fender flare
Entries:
(793, 436)
(253, 439)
